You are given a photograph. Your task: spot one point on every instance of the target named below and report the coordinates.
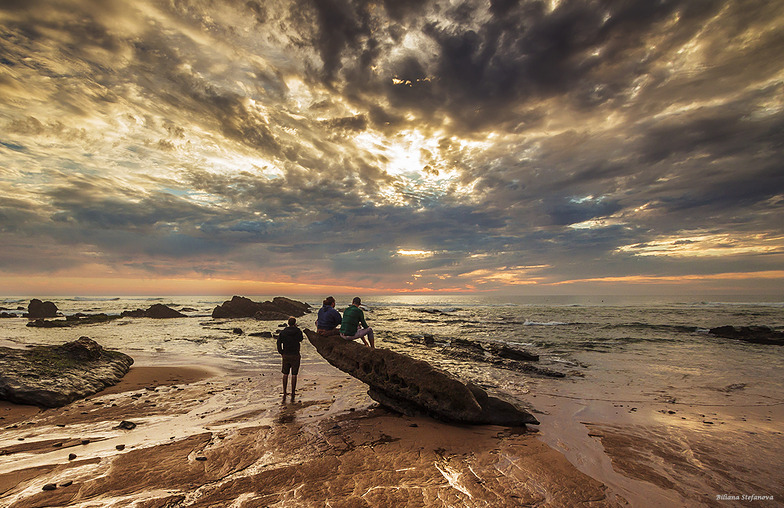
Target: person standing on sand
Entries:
(288, 346)
(328, 318)
(352, 318)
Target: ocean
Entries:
(629, 363)
(632, 348)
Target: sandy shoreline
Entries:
(136, 378)
(207, 438)
(211, 436)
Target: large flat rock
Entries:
(53, 376)
(413, 386)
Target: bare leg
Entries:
(293, 386)
(285, 383)
(371, 339)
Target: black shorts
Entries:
(291, 363)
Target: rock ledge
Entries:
(412, 386)
(53, 376)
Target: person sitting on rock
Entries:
(352, 318)
(329, 319)
(288, 346)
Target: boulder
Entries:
(412, 386)
(753, 334)
(290, 307)
(156, 311)
(278, 308)
(53, 376)
(38, 309)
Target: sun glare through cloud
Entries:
(457, 141)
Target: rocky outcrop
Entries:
(74, 320)
(38, 309)
(156, 311)
(52, 376)
(411, 386)
(754, 334)
(499, 355)
(277, 309)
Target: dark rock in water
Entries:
(429, 339)
(510, 353)
(500, 355)
(38, 309)
(290, 307)
(463, 349)
(53, 376)
(413, 386)
(126, 425)
(267, 335)
(43, 323)
(50, 486)
(271, 315)
(279, 308)
(76, 319)
(237, 331)
(237, 307)
(754, 334)
(188, 309)
(156, 311)
(7, 315)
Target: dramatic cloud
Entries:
(527, 146)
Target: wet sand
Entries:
(212, 436)
(136, 378)
(231, 438)
(671, 453)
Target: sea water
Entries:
(649, 347)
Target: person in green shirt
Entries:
(353, 317)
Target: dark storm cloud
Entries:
(351, 140)
(481, 70)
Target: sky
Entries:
(345, 146)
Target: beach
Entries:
(646, 415)
(214, 438)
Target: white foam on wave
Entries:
(548, 323)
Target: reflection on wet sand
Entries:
(230, 440)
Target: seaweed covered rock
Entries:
(53, 376)
(412, 386)
(277, 309)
